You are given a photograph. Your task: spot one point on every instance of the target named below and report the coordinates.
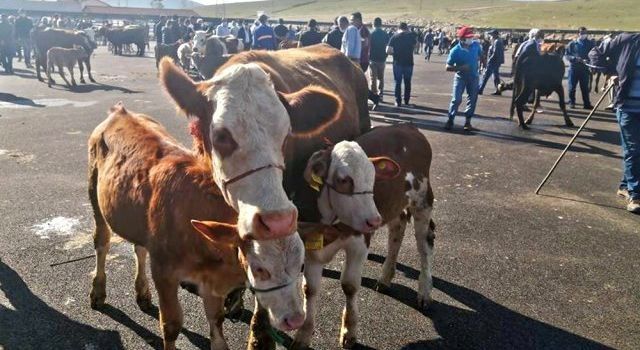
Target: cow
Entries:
(381, 178)
(131, 34)
(209, 55)
(184, 55)
(64, 58)
(260, 103)
(45, 39)
(150, 190)
(167, 50)
(553, 48)
(541, 74)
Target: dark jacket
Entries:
(379, 41)
(334, 38)
(23, 27)
(496, 53)
(577, 50)
(618, 58)
(310, 37)
(157, 31)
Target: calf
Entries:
(396, 177)
(542, 74)
(64, 58)
(147, 188)
(184, 55)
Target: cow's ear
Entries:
(188, 96)
(217, 232)
(317, 168)
(311, 109)
(386, 168)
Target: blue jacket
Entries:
(578, 50)
(264, 38)
(618, 58)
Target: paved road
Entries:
(512, 269)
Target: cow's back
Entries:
(408, 147)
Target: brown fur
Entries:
(64, 58)
(146, 187)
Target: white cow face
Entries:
(347, 178)
(199, 40)
(273, 270)
(246, 122)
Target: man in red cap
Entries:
(463, 59)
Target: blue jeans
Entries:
(461, 83)
(630, 133)
(578, 75)
(492, 69)
(401, 73)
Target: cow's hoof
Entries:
(424, 301)
(144, 302)
(382, 288)
(524, 126)
(97, 300)
(569, 124)
(82, 81)
(92, 80)
(348, 342)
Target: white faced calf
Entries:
(397, 177)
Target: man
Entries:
(7, 44)
(441, 42)
(621, 57)
(352, 42)
(263, 37)
(244, 34)
(377, 57)
(223, 29)
(234, 29)
(463, 59)
(170, 33)
(23, 28)
(356, 19)
(311, 36)
(428, 44)
(334, 37)
(577, 54)
(401, 46)
(495, 58)
(281, 30)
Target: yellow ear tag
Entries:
(314, 241)
(382, 166)
(316, 182)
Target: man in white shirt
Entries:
(352, 42)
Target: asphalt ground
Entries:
(513, 270)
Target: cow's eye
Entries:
(223, 142)
(344, 184)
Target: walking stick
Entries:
(586, 120)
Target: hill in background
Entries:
(567, 14)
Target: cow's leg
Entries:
(143, 293)
(424, 242)
(313, 281)
(87, 62)
(170, 310)
(214, 309)
(534, 109)
(81, 69)
(396, 233)
(259, 338)
(563, 106)
(351, 279)
(40, 62)
(73, 80)
(519, 102)
(49, 79)
(101, 243)
(61, 72)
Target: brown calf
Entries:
(64, 58)
(147, 188)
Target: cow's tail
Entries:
(97, 150)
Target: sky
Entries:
(220, 2)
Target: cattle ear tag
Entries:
(316, 182)
(314, 241)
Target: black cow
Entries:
(542, 74)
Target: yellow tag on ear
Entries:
(314, 241)
(382, 165)
(316, 182)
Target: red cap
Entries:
(465, 32)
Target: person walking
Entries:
(377, 58)
(428, 44)
(244, 34)
(401, 46)
(577, 54)
(352, 42)
(263, 37)
(7, 44)
(334, 37)
(495, 58)
(311, 36)
(621, 58)
(23, 28)
(463, 59)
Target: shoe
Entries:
(448, 125)
(634, 206)
(398, 104)
(410, 105)
(589, 107)
(497, 93)
(623, 192)
(467, 126)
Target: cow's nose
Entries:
(275, 224)
(374, 223)
(293, 321)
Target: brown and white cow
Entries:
(381, 178)
(261, 103)
(147, 188)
